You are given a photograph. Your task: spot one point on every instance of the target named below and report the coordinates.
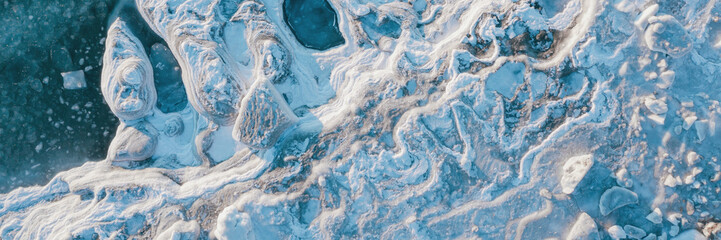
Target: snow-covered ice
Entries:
(74, 80)
(574, 170)
(615, 198)
(420, 119)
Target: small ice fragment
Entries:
(615, 198)
(39, 147)
(656, 106)
(584, 228)
(673, 218)
(574, 170)
(74, 80)
(701, 129)
(691, 158)
(622, 178)
(689, 121)
(655, 216)
(650, 236)
(658, 119)
(634, 232)
(674, 231)
(616, 232)
(670, 181)
(666, 79)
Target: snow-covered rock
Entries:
(127, 77)
(133, 143)
(264, 115)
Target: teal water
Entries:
(313, 22)
(44, 128)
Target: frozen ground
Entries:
(432, 119)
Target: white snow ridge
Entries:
(398, 119)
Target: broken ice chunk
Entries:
(615, 198)
(133, 143)
(574, 170)
(264, 115)
(701, 129)
(74, 80)
(622, 178)
(616, 232)
(665, 34)
(656, 106)
(655, 216)
(691, 158)
(634, 232)
(689, 120)
(506, 79)
(584, 228)
(666, 79)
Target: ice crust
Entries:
(574, 170)
(583, 228)
(615, 198)
(432, 120)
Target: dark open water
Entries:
(44, 128)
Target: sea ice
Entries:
(634, 232)
(392, 120)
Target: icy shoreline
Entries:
(434, 119)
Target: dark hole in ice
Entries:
(313, 22)
(167, 76)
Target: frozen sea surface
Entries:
(421, 119)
